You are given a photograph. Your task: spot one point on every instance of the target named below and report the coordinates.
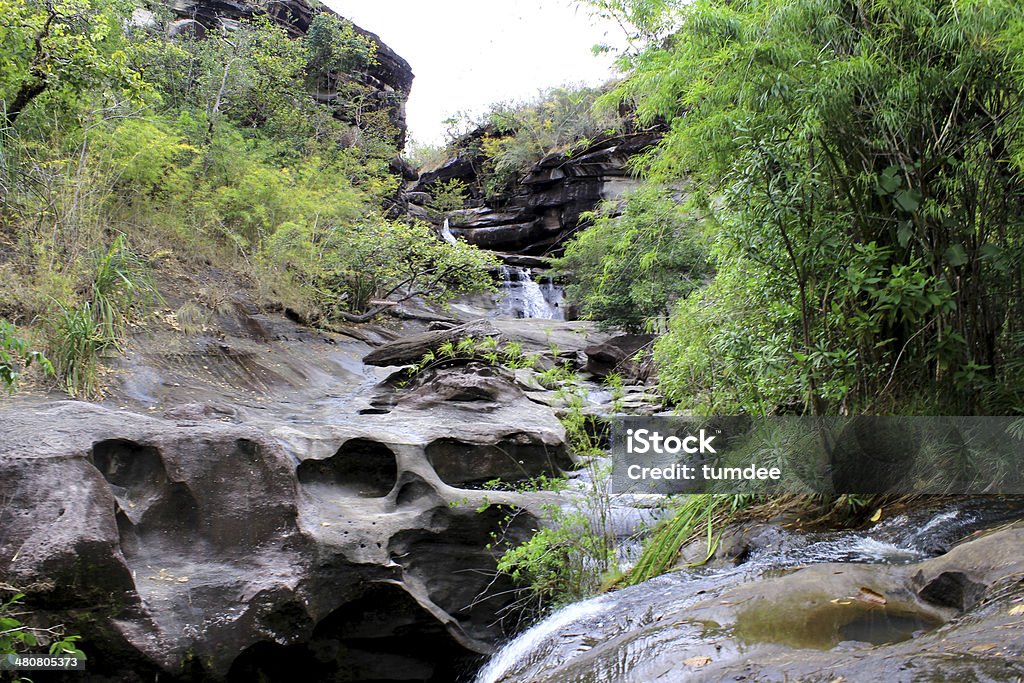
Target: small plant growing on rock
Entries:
(485, 350)
(16, 356)
(16, 637)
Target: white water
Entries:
(446, 232)
(523, 297)
(900, 539)
(525, 643)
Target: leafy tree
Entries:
(362, 270)
(639, 256)
(62, 48)
(862, 163)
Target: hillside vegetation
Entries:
(853, 173)
(122, 149)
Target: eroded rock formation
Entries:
(256, 502)
(222, 547)
(544, 206)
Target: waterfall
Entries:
(521, 647)
(523, 297)
(446, 232)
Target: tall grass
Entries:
(75, 344)
(121, 283)
(121, 286)
(697, 517)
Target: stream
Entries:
(642, 632)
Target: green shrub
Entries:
(866, 246)
(640, 256)
(16, 356)
(16, 637)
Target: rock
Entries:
(545, 206)
(390, 75)
(952, 589)
(411, 349)
(828, 622)
(484, 386)
(616, 355)
(189, 28)
(524, 261)
(228, 549)
(201, 411)
(419, 198)
(251, 503)
(507, 236)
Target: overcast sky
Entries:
(467, 54)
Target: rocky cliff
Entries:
(390, 76)
(544, 205)
(257, 503)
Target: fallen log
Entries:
(411, 349)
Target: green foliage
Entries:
(264, 154)
(449, 196)
(120, 289)
(16, 637)
(616, 384)
(334, 49)
(392, 262)
(56, 51)
(121, 286)
(639, 257)
(862, 165)
(519, 134)
(16, 356)
(697, 516)
(562, 562)
(425, 156)
(481, 350)
(569, 557)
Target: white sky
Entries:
(468, 54)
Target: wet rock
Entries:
(617, 355)
(524, 261)
(827, 622)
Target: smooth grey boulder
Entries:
(617, 355)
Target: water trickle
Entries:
(522, 646)
(648, 622)
(446, 232)
(521, 296)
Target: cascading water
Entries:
(523, 297)
(649, 623)
(446, 232)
